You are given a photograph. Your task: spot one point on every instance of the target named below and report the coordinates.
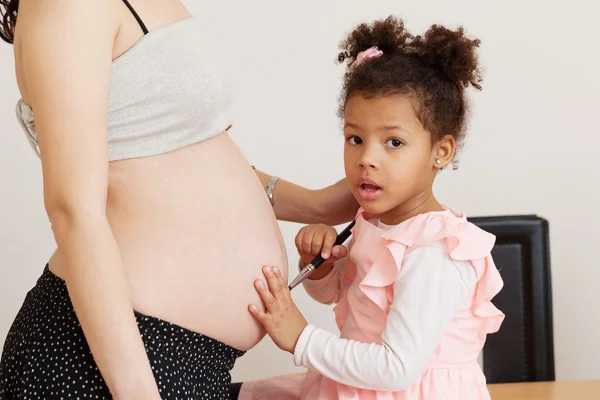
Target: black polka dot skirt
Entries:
(46, 356)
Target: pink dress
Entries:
(453, 372)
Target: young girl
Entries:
(413, 294)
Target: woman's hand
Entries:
(282, 320)
(336, 203)
(332, 205)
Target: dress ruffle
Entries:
(464, 241)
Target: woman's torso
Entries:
(193, 225)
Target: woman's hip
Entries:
(46, 355)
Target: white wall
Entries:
(533, 145)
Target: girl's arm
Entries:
(429, 291)
(328, 289)
(326, 284)
(65, 49)
(332, 205)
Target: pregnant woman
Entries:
(160, 223)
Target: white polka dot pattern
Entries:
(46, 355)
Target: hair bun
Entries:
(389, 35)
(450, 52)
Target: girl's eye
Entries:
(395, 143)
(354, 140)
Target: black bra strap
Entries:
(137, 17)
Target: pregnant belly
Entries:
(195, 228)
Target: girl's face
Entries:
(389, 158)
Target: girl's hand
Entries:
(316, 239)
(282, 320)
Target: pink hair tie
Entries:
(365, 56)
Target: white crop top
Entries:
(165, 93)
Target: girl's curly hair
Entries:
(434, 69)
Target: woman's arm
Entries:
(66, 54)
(332, 205)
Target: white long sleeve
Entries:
(428, 292)
(328, 289)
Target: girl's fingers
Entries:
(299, 239)
(328, 241)
(265, 294)
(339, 251)
(258, 314)
(274, 280)
(307, 241)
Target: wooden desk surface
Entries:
(572, 390)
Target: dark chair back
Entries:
(523, 349)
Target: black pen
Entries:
(318, 260)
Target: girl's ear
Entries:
(443, 151)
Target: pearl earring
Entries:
(438, 162)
